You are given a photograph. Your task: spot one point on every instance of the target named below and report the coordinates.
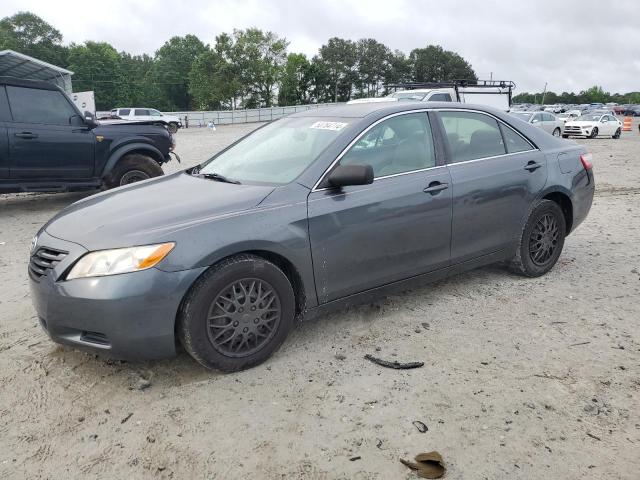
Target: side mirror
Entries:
(90, 119)
(344, 175)
(76, 121)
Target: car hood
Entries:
(151, 211)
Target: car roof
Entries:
(22, 82)
(361, 110)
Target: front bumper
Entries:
(129, 316)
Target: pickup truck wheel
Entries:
(133, 168)
(237, 314)
(173, 128)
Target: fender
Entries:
(123, 150)
(299, 260)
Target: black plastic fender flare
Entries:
(120, 152)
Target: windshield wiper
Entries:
(218, 177)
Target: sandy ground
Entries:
(523, 378)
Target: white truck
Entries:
(147, 114)
(495, 93)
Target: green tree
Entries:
(213, 82)
(433, 64)
(595, 94)
(136, 88)
(398, 69)
(96, 66)
(337, 61)
(373, 63)
(170, 72)
(27, 33)
(295, 83)
(259, 58)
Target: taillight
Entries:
(586, 161)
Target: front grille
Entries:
(44, 260)
(572, 129)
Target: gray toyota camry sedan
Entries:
(312, 212)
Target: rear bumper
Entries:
(583, 197)
(128, 316)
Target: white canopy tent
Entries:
(15, 64)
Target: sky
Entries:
(568, 44)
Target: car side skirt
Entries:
(413, 282)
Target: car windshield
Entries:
(278, 152)
(522, 115)
(588, 118)
(408, 95)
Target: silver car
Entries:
(544, 120)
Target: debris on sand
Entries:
(427, 465)
(395, 364)
(422, 428)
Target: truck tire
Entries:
(172, 127)
(133, 168)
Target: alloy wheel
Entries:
(243, 317)
(133, 176)
(543, 240)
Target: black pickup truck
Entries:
(48, 145)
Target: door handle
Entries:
(26, 135)
(532, 166)
(435, 187)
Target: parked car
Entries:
(568, 116)
(544, 120)
(632, 111)
(46, 144)
(149, 114)
(593, 125)
(312, 212)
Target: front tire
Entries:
(617, 134)
(541, 241)
(172, 127)
(594, 132)
(133, 168)
(237, 314)
(557, 132)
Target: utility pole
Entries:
(544, 92)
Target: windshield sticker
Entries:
(335, 126)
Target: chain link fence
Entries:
(230, 117)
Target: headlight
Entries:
(120, 260)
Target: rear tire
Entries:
(541, 240)
(133, 168)
(237, 314)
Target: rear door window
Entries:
(141, 112)
(514, 141)
(31, 105)
(124, 112)
(472, 135)
(400, 144)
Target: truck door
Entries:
(47, 138)
(5, 118)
